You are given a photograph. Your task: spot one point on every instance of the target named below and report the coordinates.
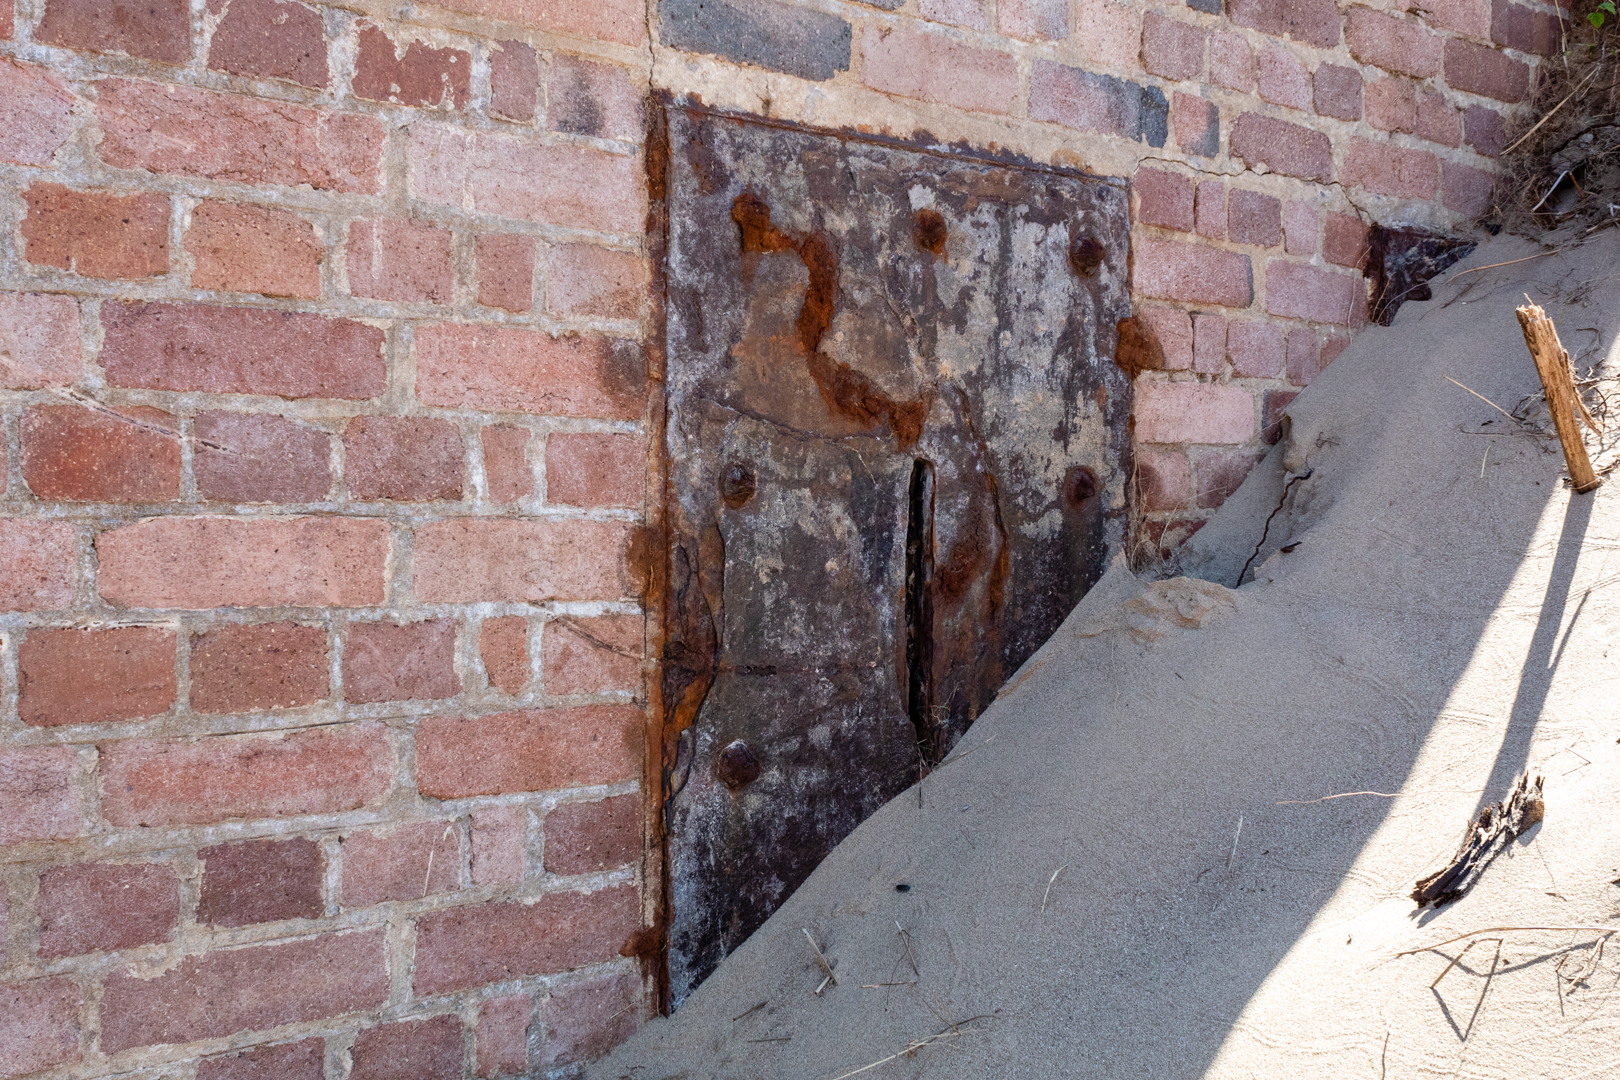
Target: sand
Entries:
(1431, 632)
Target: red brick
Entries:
(37, 800)
(8, 24)
(1391, 170)
(254, 988)
(966, 13)
(503, 645)
(1468, 17)
(1164, 479)
(1276, 404)
(503, 1036)
(240, 351)
(1177, 412)
(1197, 124)
(504, 560)
(1209, 343)
(1253, 218)
(271, 39)
(149, 29)
(1467, 191)
(497, 845)
(97, 234)
(400, 260)
(95, 907)
(413, 662)
(512, 370)
(1171, 329)
(1486, 72)
(531, 750)
(1033, 20)
(516, 177)
(1484, 130)
(1085, 101)
(507, 473)
(514, 81)
(1344, 240)
(74, 453)
(260, 458)
(593, 656)
(470, 946)
(1282, 147)
(302, 1060)
(1437, 120)
(506, 271)
(36, 564)
(1394, 44)
(1303, 356)
(261, 881)
(406, 862)
(266, 666)
(1313, 21)
(1211, 209)
(322, 770)
(595, 470)
(191, 132)
(1332, 346)
(583, 838)
(1336, 91)
(409, 1050)
(421, 76)
(1171, 48)
(84, 676)
(39, 339)
(1518, 27)
(39, 1025)
(587, 98)
(612, 20)
(587, 1018)
(1255, 349)
(404, 459)
(1169, 270)
(1164, 199)
(1392, 104)
(1301, 291)
(36, 113)
(1300, 225)
(253, 249)
(583, 279)
(1219, 475)
(1283, 78)
(931, 67)
(1231, 61)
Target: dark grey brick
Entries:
(1153, 116)
(792, 40)
(1090, 101)
(1208, 7)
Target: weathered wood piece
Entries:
(1552, 364)
(1498, 824)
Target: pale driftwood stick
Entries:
(1552, 364)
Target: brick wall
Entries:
(323, 399)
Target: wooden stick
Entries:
(1552, 364)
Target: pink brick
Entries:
(1283, 78)
(506, 271)
(1231, 61)
(1165, 480)
(270, 39)
(1471, 18)
(406, 862)
(503, 646)
(506, 463)
(39, 1025)
(94, 676)
(1197, 124)
(585, 1019)
(260, 458)
(1172, 329)
(1391, 104)
(1519, 27)
(302, 1060)
(151, 29)
(1209, 343)
(968, 13)
(593, 656)
(1300, 225)
(400, 260)
(1178, 412)
(532, 750)
(413, 662)
(1300, 291)
(1485, 130)
(254, 249)
(95, 907)
(8, 25)
(470, 560)
(95, 233)
(1303, 356)
(1253, 218)
(191, 132)
(1315, 22)
(277, 665)
(36, 114)
(1084, 101)
(529, 371)
(1109, 35)
(1169, 270)
(1283, 147)
(1438, 120)
(514, 81)
(595, 470)
(1336, 91)
(39, 339)
(1484, 71)
(1171, 48)
(36, 564)
(1164, 199)
(254, 988)
(1344, 240)
(1332, 346)
(1211, 209)
(37, 800)
(409, 1050)
(404, 459)
(418, 75)
(503, 1036)
(1391, 170)
(1394, 44)
(1465, 190)
(470, 946)
(1256, 349)
(585, 838)
(1272, 414)
(207, 562)
(261, 881)
(603, 20)
(516, 177)
(497, 845)
(583, 279)
(240, 351)
(915, 64)
(588, 98)
(77, 454)
(1219, 475)
(322, 770)
(1034, 20)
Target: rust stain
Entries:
(1139, 349)
(931, 231)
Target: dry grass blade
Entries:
(822, 959)
(1342, 795)
(1553, 111)
(1458, 959)
(1504, 930)
(905, 940)
(1483, 398)
(911, 1048)
(1049, 884)
(1493, 266)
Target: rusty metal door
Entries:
(896, 447)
